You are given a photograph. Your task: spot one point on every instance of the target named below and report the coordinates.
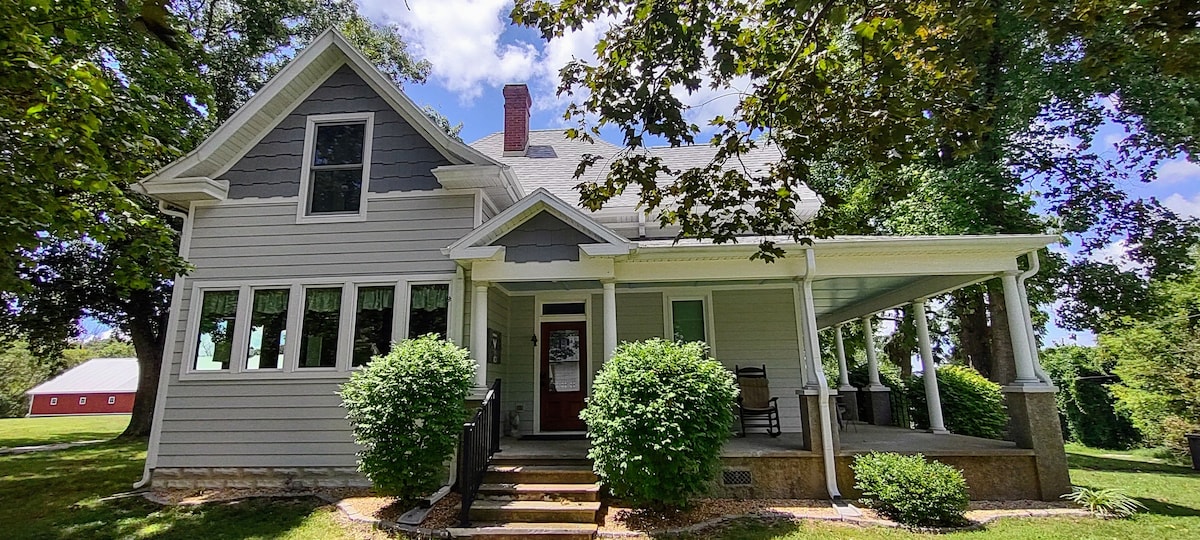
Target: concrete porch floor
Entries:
(855, 439)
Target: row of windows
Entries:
(369, 319)
(112, 400)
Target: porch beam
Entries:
(479, 319)
(933, 398)
(610, 319)
(921, 288)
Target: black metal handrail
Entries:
(480, 440)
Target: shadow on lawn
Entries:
(1096, 463)
(138, 518)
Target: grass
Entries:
(65, 495)
(1170, 492)
(60, 429)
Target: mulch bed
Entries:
(618, 517)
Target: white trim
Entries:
(559, 297)
(112, 400)
(312, 123)
(83, 400)
(684, 294)
(291, 363)
(53, 402)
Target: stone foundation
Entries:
(298, 478)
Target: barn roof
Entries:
(96, 375)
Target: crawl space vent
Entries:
(734, 477)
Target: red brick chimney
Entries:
(516, 119)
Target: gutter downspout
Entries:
(1034, 266)
(164, 373)
(823, 394)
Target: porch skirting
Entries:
(300, 478)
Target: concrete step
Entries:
(503, 459)
(541, 492)
(539, 474)
(517, 531)
(534, 511)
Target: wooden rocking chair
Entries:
(756, 407)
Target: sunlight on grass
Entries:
(60, 429)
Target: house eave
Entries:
(183, 191)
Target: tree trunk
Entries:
(973, 346)
(144, 325)
(1004, 365)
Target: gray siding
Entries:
(298, 422)
(753, 327)
(543, 238)
(519, 388)
(401, 159)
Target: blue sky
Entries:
(475, 51)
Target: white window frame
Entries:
(310, 135)
(83, 400)
(112, 400)
(705, 297)
(53, 401)
(407, 306)
(291, 369)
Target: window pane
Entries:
(339, 145)
(564, 360)
(319, 331)
(336, 190)
(428, 309)
(687, 317)
(372, 324)
(218, 314)
(268, 329)
(574, 308)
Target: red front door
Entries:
(563, 374)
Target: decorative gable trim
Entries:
(477, 244)
(281, 95)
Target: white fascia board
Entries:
(184, 190)
(476, 253)
(468, 176)
(604, 250)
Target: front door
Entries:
(563, 377)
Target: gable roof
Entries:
(477, 243)
(117, 375)
(287, 89)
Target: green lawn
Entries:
(60, 429)
(57, 495)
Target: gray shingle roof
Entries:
(551, 160)
(96, 375)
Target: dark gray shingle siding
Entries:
(543, 238)
(401, 159)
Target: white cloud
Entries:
(461, 38)
(1116, 253)
(1183, 205)
(1178, 170)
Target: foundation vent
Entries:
(736, 477)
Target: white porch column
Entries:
(610, 319)
(843, 371)
(873, 384)
(933, 397)
(458, 297)
(1026, 375)
(479, 333)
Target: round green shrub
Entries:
(910, 489)
(407, 410)
(658, 416)
(971, 404)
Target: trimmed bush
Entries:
(910, 489)
(407, 410)
(658, 416)
(971, 404)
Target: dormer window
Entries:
(336, 167)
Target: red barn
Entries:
(98, 386)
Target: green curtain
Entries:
(375, 298)
(271, 302)
(430, 297)
(323, 300)
(219, 304)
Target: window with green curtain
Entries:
(687, 318)
(372, 323)
(319, 328)
(428, 309)
(218, 321)
(268, 329)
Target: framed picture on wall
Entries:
(493, 346)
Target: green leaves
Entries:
(911, 490)
(407, 410)
(658, 416)
(971, 404)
